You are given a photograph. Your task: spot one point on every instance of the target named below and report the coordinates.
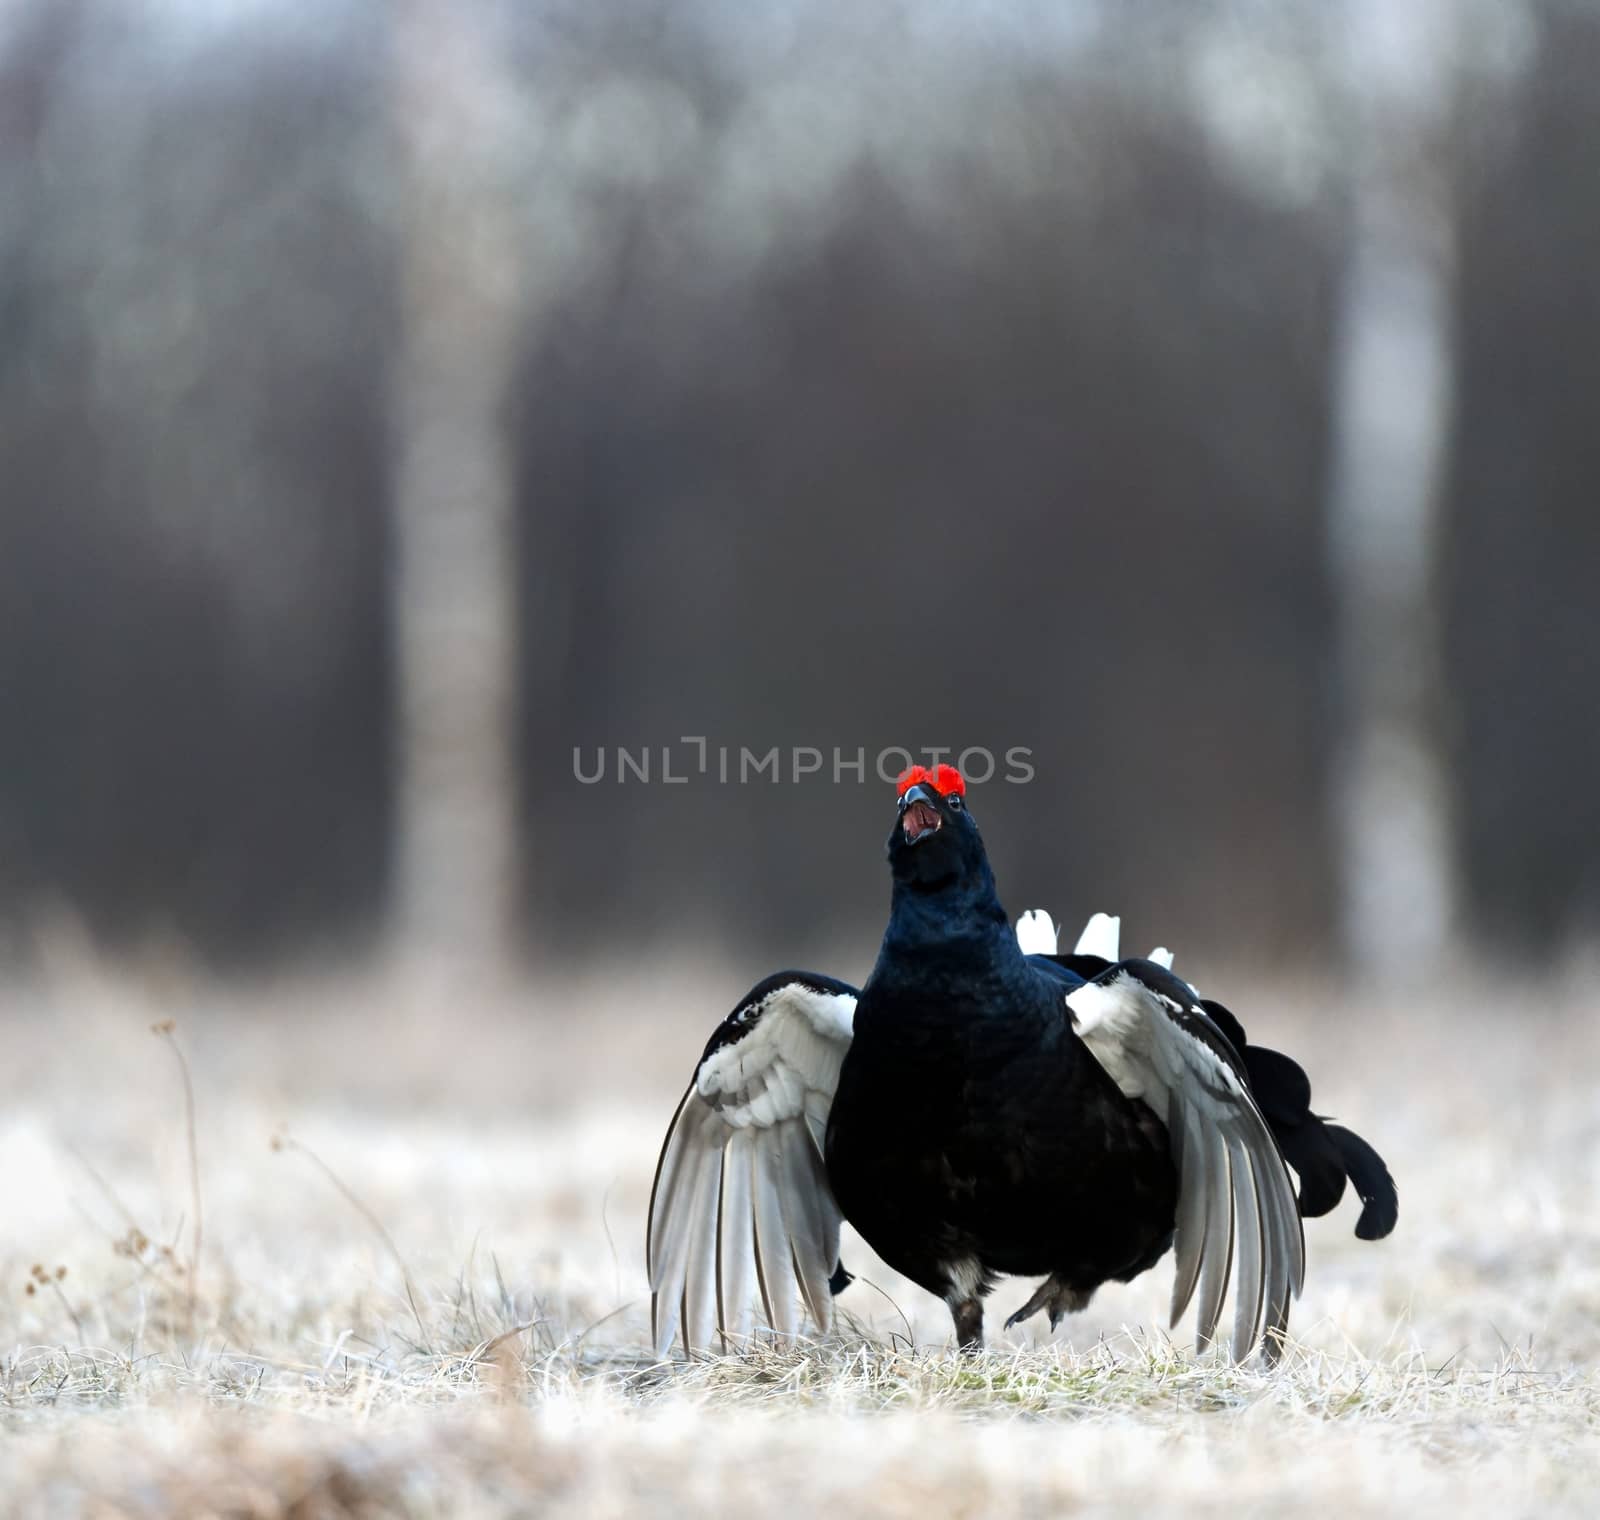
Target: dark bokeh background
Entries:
(873, 381)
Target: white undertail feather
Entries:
(1037, 933)
(1101, 936)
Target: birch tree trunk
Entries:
(1393, 381)
(454, 575)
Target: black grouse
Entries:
(985, 1106)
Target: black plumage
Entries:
(978, 1111)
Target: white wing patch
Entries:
(744, 1230)
(786, 1066)
(1107, 1021)
(1236, 1201)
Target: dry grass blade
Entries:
(167, 1030)
(354, 1199)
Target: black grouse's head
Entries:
(934, 841)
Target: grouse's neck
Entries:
(961, 925)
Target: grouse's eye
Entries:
(956, 804)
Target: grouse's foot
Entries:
(968, 1315)
(1056, 1299)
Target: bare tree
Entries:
(454, 567)
(1392, 397)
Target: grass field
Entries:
(419, 1283)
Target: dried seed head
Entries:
(31, 1290)
(166, 1026)
(60, 1273)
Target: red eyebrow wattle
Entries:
(944, 779)
(910, 777)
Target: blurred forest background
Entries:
(395, 397)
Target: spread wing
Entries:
(744, 1229)
(1236, 1201)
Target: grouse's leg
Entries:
(1056, 1298)
(968, 1315)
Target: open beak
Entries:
(919, 814)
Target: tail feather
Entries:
(1310, 1150)
(1380, 1199)
(1323, 1155)
(1282, 1088)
